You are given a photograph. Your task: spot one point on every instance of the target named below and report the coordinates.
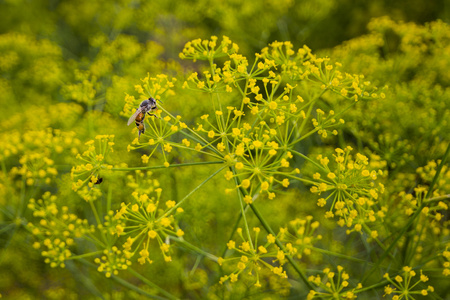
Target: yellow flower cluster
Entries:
(144, 219)
(273, 112)
(427, 173)
(208, 49)
(303, 65)
(56, 229)
(251, 258)
(37, 151)
(350, 187)
(333, 285)
(93, 161)
(403, 286)
(446, 264)
(85, 90)
(300, 241)
(112, 261)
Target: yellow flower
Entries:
(221, 146)
(165, 222)
(170, 203)
(228, 175)
(145, 158)
(186, 142)
(236, 132)
(273, 105)
(152, 234)
(245, 183)
(239, 150)
(231, 244)
(257, 144)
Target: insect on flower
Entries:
(144, 108)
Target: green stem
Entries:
(194, 248)
(97, 218)
(331, 253)
(164, 167)
(241, 203)
(377, 285)
(85, 255)
(149, 283)
(308, 159)
(190, 194)
(134, 287)
(438, 198)
(303, 137)
(311, 105)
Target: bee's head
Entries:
(152, 102)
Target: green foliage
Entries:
(288, 172)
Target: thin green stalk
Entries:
(303, 137)
(308, 113)
(190, 194)
(97, 218)
(308, 159)
(164, 167)
(194, 248)
(85, 255)
(134, 287)
(331, 253)
(236, 225)
(241, 204)
(149, 283)
(438, 198)
(374, 286)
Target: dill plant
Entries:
(249, 138)
(247, 133)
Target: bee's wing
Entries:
(131, 119)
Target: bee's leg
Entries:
(153, 115)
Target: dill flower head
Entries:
(249, 258)
(350, 188)
(299, 240)
(333, 285)
(112, 261)
(406, 284)
(147, 220)
(93, 161)
(208, 49)
(56, 229)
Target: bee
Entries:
(99, 180)
(138, 117)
